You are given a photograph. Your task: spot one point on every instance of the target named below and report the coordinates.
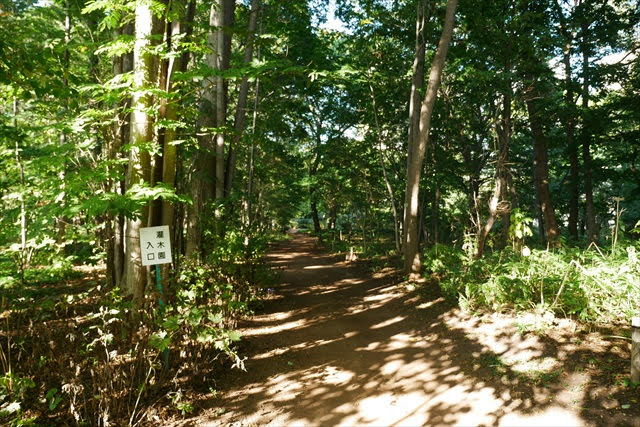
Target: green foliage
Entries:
(53, 398)
(443, 260)
(13, 388)
(520, 227)
(36, 281)
(120, 350)
(569, 281)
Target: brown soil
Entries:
(336, 345)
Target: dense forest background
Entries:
(496, 153)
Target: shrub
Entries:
(587, 284)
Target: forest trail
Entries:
(338, 346)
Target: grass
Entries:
(40, 281)
(584, 284)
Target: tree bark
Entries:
(61, 222)
(227, 8)
(141, 133)
(119, 134)
(498, 204)
(435, 217)
(505, 142)
(166, 163)
(252, 151)
(541, 166)
(493, 212)
(333, 216)
(592, 229)
(572, 144)
(169, 110)
(570, 124)
(417, 150)
(240, 117)
(504, 138)
(312, 195)
(208, 163)
(23, 208)
(417, 79)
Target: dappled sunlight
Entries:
(317, 267)
(389, 322)
(348, 349)
(552, 416)
(275, 329)
(279, 316)
(429, 304)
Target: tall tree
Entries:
(207, 171)
(118, 136)
(567, 35)
(141, 136)
(541, 163)
(418, 149)
(240, 116)
(592, 229)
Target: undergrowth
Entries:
(587, 284)
(379, 253)
(81, 354)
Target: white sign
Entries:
(155, 245)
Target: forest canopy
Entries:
(493, 146)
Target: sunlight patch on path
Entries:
(266, 330)
(553, 416)
(389, 322)
(355, 351)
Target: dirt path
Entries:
(336, 346)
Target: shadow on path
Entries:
(337, 346)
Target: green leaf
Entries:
(234, 335)
(215, 317)
(172, 323)
(160, 340)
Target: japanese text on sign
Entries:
(155, 245)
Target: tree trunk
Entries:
(313, 170)
(504, 138)
(422, 206)
(121, 135)
(592, 229)
(496, 205)
(394, 209)
(166, 164)
(141, 133)
(417, 80)
(418, 148)
(541, 166)
(314, 214)
(504, 170)
(208, 162)
(252, 151)
(572, 144)
(435, 217)
(483, 232)
(333, 216)
(570, 123)
(61, 222)
(241, 108)
(473, 185)
(227, 8)
(23, 209)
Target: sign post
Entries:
(155, 245)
